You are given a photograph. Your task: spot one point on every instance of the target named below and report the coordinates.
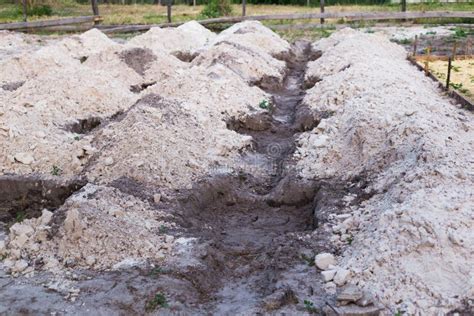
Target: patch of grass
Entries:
(404, 41)
(308, 259)
(163, 229)
(56, 171)
(159, 300)
(20, 216)
(264, 104)
(156, 271)
(309, 306)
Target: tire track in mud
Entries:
(251, 224)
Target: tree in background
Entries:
(216, 8)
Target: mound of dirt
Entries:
(97, 228)
(256, 67)
(156, 144)
(183, 41)
(408, 243)
(256, 37)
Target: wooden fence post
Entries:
(415, 44)
(321, 5)
(244, 9)
(448, 77)
(168, 10)
(95, 9)
(404, 5)
(25, 18)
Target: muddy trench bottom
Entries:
(258, 257)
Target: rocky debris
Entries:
(342, 276)
(350, 294)
(352, 310)
(24, 158)
(401, 147)
(328, 275)
(89, 230)
(324, 260)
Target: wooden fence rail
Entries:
(46, 23)
(353, 16)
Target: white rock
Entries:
(328, 275)
(24, 158)
(90, 260)
(109, 161)
(341, 277)
(323, 260)
(157, 198)
(19, 266)
(45, 218)
(3, 248)
(21, 229)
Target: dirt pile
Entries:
(156, 144)
(98, 228)
(384, 122)
(122, 116)
(184, 41)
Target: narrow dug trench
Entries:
(251, 223)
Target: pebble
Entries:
(328, 275)
(24, 158)
(350, 294)
(341, 277)
(19, 266)
(323, 260)
(157, 198)
(2, 247)
(109, 161)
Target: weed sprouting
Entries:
(264, 104)
(308, 259)
(163, 229)
(20, 216)
(159, 300)
(309, 306)
(156, 271)
(56, 171)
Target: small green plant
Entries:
(264, 104)
(163, 229)
(456, 86)
(309, 306)
(77, 137)
(308, 259)
(349, 240)
(156, 271)
(39, 10)
(431, 33)
(404, 41)
(456, 68)
(20, 216)
(398, 313)
(216, 8)
(460, 32)
(56, 171)
(158, 300)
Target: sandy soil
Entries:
(231, 173)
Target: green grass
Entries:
(154, 14)
(159, 300)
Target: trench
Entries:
(249, 222)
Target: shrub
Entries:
(216, 8)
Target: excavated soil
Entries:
(253, 250)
